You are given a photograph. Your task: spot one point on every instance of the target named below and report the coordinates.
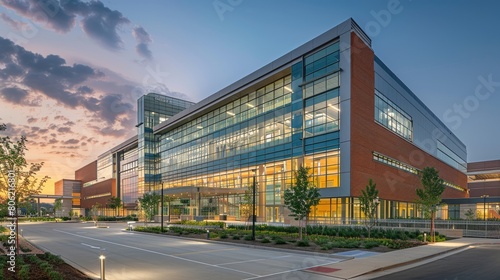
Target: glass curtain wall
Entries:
(290, 121)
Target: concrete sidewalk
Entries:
(357, 267)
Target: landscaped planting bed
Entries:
(327, 239)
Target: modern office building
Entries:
(69, 191)
(330, 104)
(484, 191)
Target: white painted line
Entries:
(256, 260)
(158, 253)
(88, 245)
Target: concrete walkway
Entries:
(357, 267)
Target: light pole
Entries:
(376, 202)
(161, 211)
(253, 206)
(484, 196)
(102, 258)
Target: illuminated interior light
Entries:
(250, 105)
(288, 88)
(230, 113)
(334, 107)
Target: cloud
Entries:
(18, 25)
(71, 142)
(96, 20)
(28, 76)
(101, 24)
(64, 129)
(48, 13)
(143, 40)
(17, 95)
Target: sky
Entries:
(72, 70)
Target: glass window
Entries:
(392, 117)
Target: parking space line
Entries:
(207, 251)
(158, 253)
(256, 260)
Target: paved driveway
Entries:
(143, 256)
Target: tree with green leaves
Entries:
(369, 202)
(149, 203)
(301, 197)
(246, 205)
(57, 205)
(429, 197)
(12, 158)
(115, 203)
(169, 200)
(94, 213)
(470, 214)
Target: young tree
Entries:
(470, 214)
(57, 205)
(430, 195)
(368, 203)
(301, 197)
(94, 213)
(115, 203)
(246, 205)
(149, 203)
(12, 157)
(169, 200)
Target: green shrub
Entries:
(265, 240)
(25, 249)
(303, 243)
(236, 237)
(223, 235)
(279, 241)
(45, 266)
(248, 237)
(24, 271)
(53, 258)
(371, 244)
(54, 275)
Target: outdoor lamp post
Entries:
(376, 202)
(102, 258)
(484, 196)
(253, 205)
(161, 210)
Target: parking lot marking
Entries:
(256, 260)
(158, 253)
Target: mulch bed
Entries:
(36, 273)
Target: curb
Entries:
(416, 260)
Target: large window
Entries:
(259, 120)
(322, 113)
(392, 117)
(322, 62)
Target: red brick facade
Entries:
(87, 173)
(367, 136)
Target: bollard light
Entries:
(425, 237)
(208, 234)
(102, 258)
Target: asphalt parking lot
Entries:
(132, 255)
